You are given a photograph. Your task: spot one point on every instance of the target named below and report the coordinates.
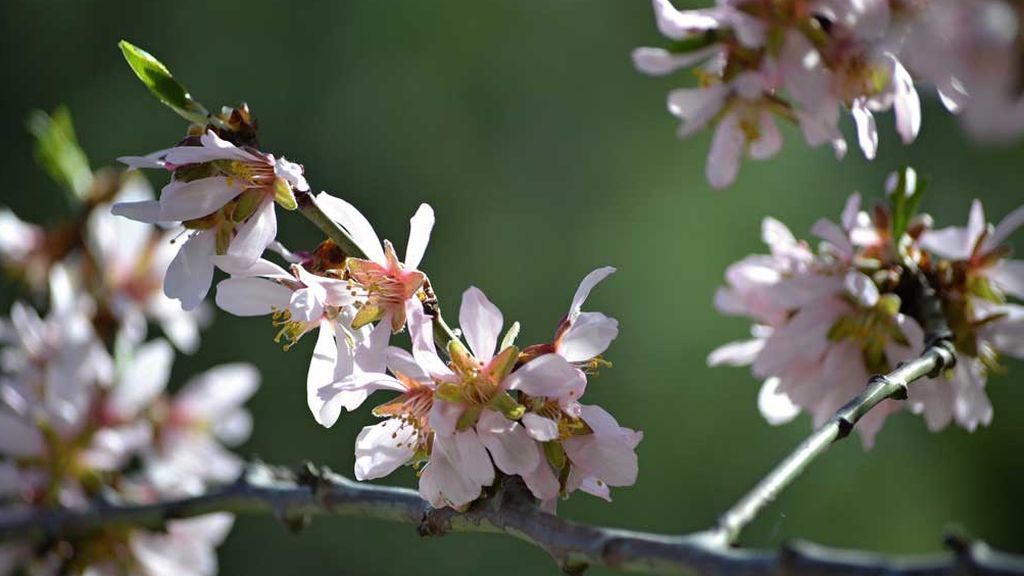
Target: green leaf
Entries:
(162, 84)
(905, 201)
(58, 153)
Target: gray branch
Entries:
(508, 509)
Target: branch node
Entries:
(435, 522)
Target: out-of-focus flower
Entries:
(224, 195)
(801, 64)
(133, 259)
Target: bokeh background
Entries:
(545, 155)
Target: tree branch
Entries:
(508, 509)
(939, 355)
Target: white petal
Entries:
(147, 211)
(696, 106)
(862, 288)
(867, 133)
(589, 336)
(724, 157)
(1006, 227)
(420, 226)
(383, 448)
(191, 272)
(350, 393)
(251, 296)
(540, 428)
(769, 140)
(321, 366)
(583, 291)
(143, 379)
(549, 375)
(510, 446)
(776, 407)
(421, 332)
(255, 235)
(659, 62)
(218, 391)
(736, 353)
(481, 323)
(180, 201)
(458, 469)
(353, 221)
(677, 25)
(907, 104)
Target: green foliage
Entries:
(58, 153)
(905, 200)
(162, 84)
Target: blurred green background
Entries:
(545, 155)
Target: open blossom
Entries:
(490, 406)
(803, 65)
(975, 279)
(133, 259)
(224, 195)
(384, 284)
(827, 320)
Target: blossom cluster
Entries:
(828, 318)
(85, 414)
(804, 61)
(461, 415)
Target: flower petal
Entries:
(191, 272)
(540, 428)
(420, 226)
(383, 448)
(147, 211)
(321, 366)
(353, 221)
(251, 296)
(587, 337)
(181, 201)
(255, 235)
(549, 375)
(142, 380)
(481, 323)
(512, 449)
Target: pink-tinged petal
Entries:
(549, 376)
(906, 103)
(542, 481)
(213, 148)
(769, 140)
(458, 470)
(540, 428)
(481, 323)
(255, 235)
(933, 399)
(583, 291)
(321, 366)
(775, 406)
(371, 352)
(512, 449)
(806, 78)
(19, 438)
(350, 393)
(353, 221)
(609, 458)
(1008, 275)
(383, 448)
(867, 132)
(971, 406)
(191, 272)
(696, 106)
(741, 353)
(420, 226)
(1005, 229)
(251, 296)
(421, 332)
(660, 62)
(588, 336)
(147, 211)
(724, 157)
(444, 417)
(951, 242)
(398, 360)
(830, 232)
(677, 25)
(180, 201)
(851, 209)
(775, 234)
(803, 338)
(142, 380)
(218, 391)
(595, 487)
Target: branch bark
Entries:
(296, 497)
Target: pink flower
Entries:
(384, 284)
(225, 195)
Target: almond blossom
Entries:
(224, 195)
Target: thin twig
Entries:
(508, 510)
(939, 355)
